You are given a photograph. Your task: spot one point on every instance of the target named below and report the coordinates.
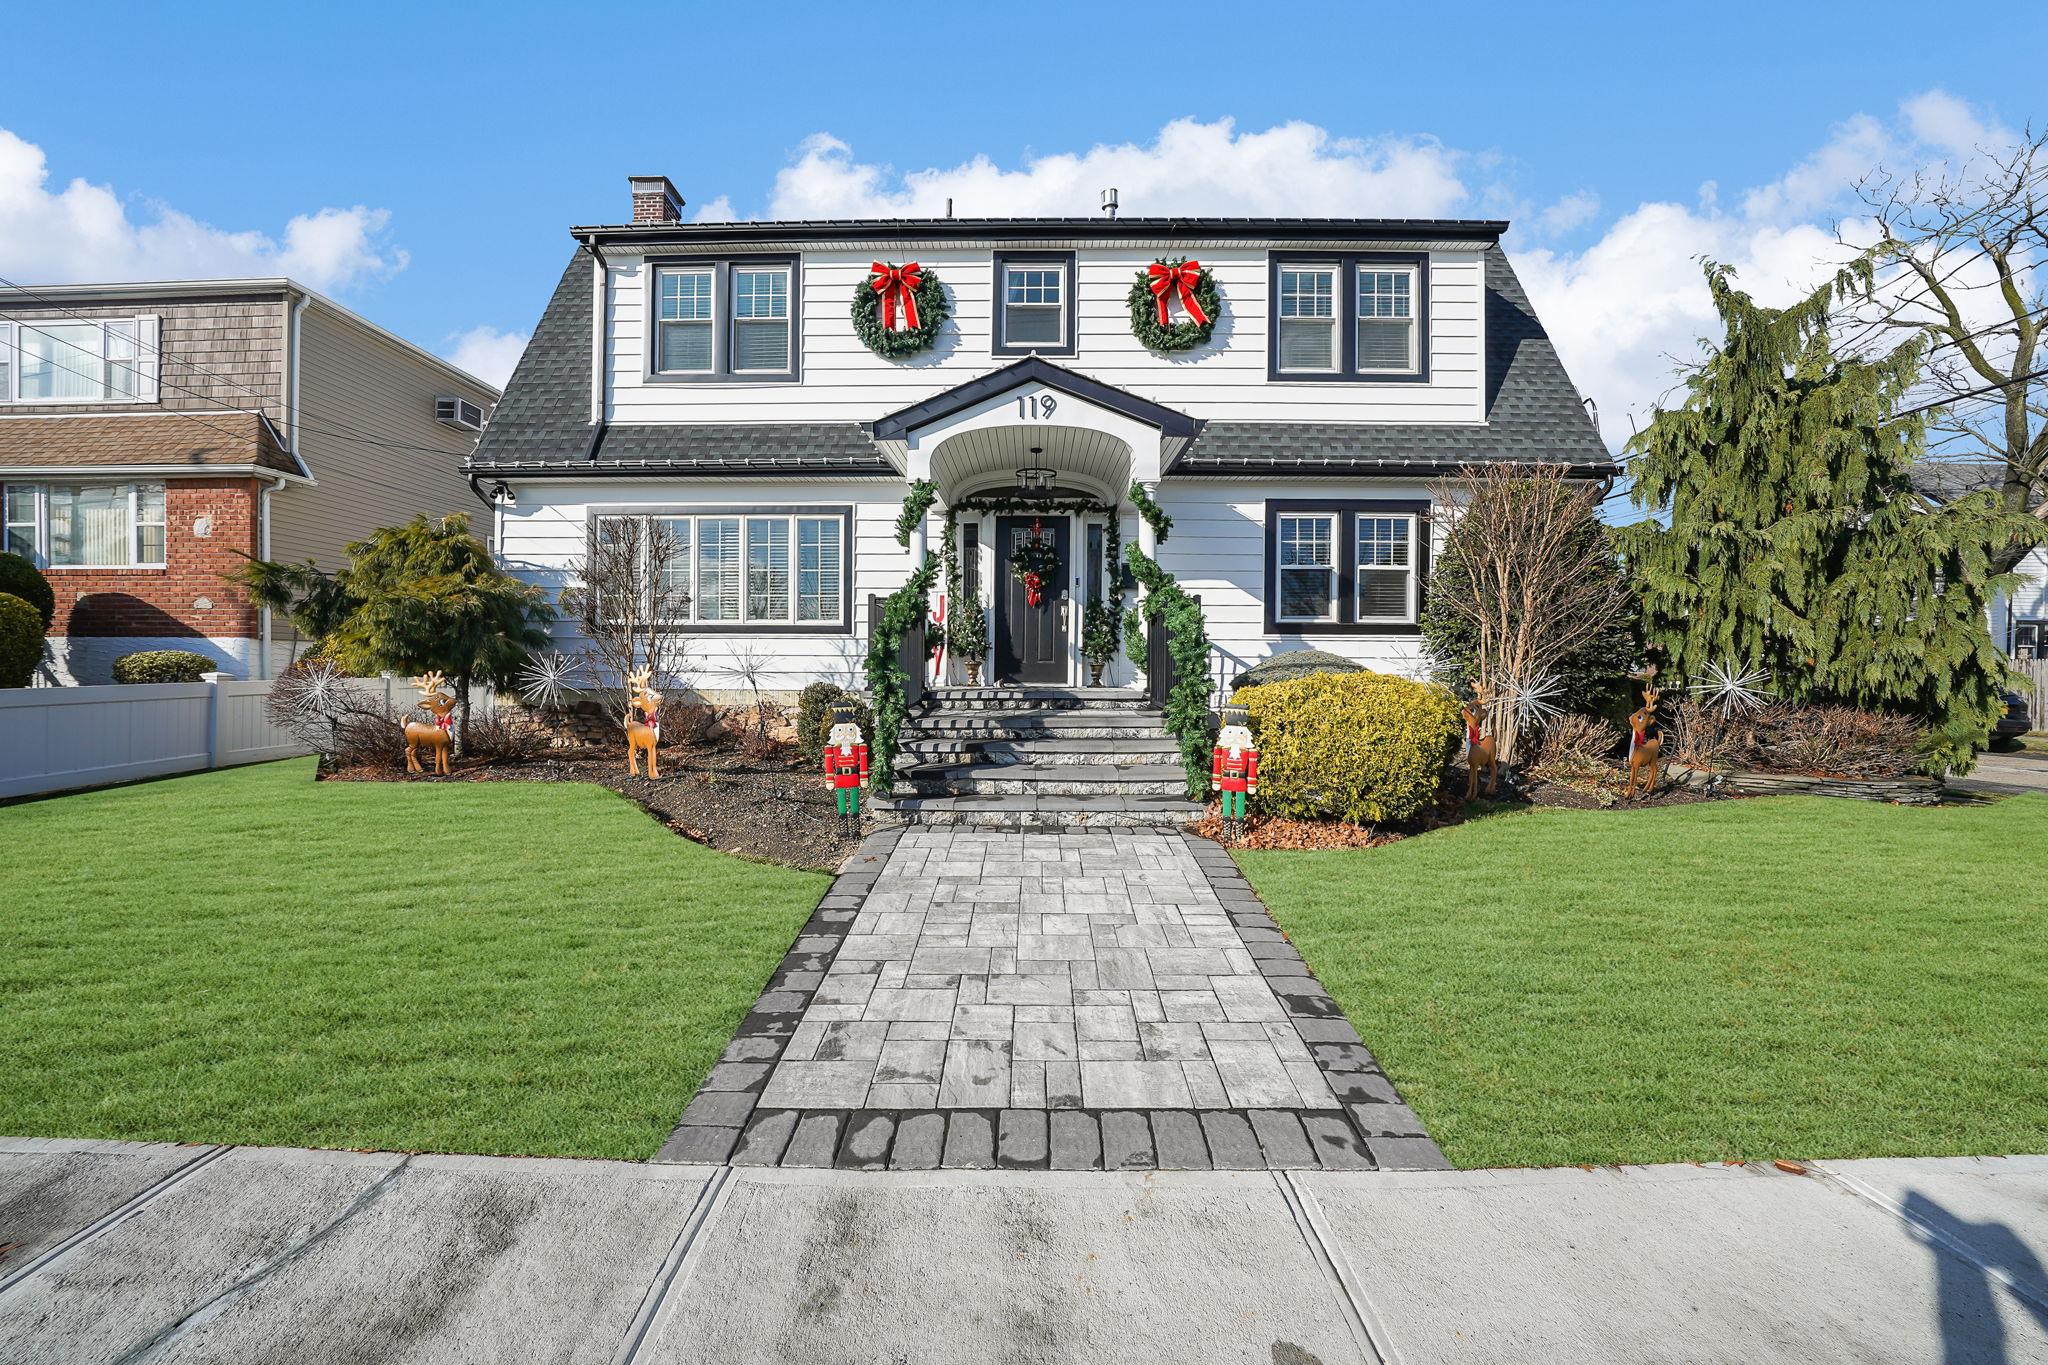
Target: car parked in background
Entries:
(2016, 721)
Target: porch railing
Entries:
(1159, 670)
(911, 657)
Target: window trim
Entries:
(1334, 572)
(1334, 267)
(723, 332)
(41, 523)
(743, 513)
(1005, 261)
(1348, 264)
(1347, 511)
(146, 364)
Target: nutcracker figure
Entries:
(846, 763)
(1234, 767)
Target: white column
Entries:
(1148, 539)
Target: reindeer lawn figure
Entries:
(1645, 737)
(644, 733)
(1479, 751)
(439, 738)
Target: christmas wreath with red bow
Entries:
(1035, 560)
(1174, 305)
(898, 309)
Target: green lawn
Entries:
(1795, 977)
(246, 956)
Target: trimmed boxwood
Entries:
(814, 715)
(1295, 663)
(21, 641)
(162, 666)
(22, 579)
(1363, 747)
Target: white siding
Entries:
(843, 381)
(542, 538)
(1217, 550)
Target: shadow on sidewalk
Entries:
(1969, 1260)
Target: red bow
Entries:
(1184, 277)
(893, 283)
(1034, 589)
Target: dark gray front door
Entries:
(1031, 642)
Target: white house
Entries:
(712, 373)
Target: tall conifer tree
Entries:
(1795, 543)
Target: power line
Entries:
(169, 412)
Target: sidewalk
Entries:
(151, 1253)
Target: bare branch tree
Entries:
(1962, 256)
(630, 592)
(1536, 584)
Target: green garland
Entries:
(1184, 335)
(886, 680)
(918, 501)
(1154, 515)
(1000, 503)
(932, 312)
(1187, 640)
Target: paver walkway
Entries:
(1035, 971)
(1110, 999)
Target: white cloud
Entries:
(1574, 210)
(1628, 308)
(486, 352)
(1191, 167)
(82, 233)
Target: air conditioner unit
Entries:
(459, 413)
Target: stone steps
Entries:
(1112, 751)
(1025, 725)
(1038, 812)
(1051, 779)
(1038, 698)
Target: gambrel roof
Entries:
(542, 425)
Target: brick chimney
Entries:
(655, 200)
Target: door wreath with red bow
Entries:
(899, 309)
(1174, 305)
(1035, 560)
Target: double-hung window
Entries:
(724, 320)
(86, 525)
(1344, 566)
(742, 569)
(1034, 311)
(1360, 317)
(65, 360)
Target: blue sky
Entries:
(435, 159)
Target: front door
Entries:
(1031, 641)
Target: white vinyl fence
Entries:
(60, 738)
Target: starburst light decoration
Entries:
(546, 679)
(1534, 701)
(313, 692)
(1731, 688)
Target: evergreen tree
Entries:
(1795, 542)
(414, 598)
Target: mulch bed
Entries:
(774, 808)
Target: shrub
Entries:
(814, 714)
(1576, 749)
(21, 641)
(162, 666)
(1098, 633)
(967, 631)
(1295, 663)
(1352, 746)
(507, 733)
(22, 579)
(1834, 741)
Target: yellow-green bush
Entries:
(1353, 746)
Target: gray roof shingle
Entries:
(542, 425)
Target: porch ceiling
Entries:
(976, 461)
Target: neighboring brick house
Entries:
(154, 435)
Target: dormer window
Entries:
(64, 360)
(1034, 303)
(714, 321)
(1362, 317)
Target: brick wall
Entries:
(167, 601)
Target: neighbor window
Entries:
(67, 361)
(1362, 317)
(1344, 566)
(86, 525)
(1308, 567)
(1308, 319)
(2030, 640)
(736, 569)
(1034, 304)
(724, 320)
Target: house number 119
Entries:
(1036, 407)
